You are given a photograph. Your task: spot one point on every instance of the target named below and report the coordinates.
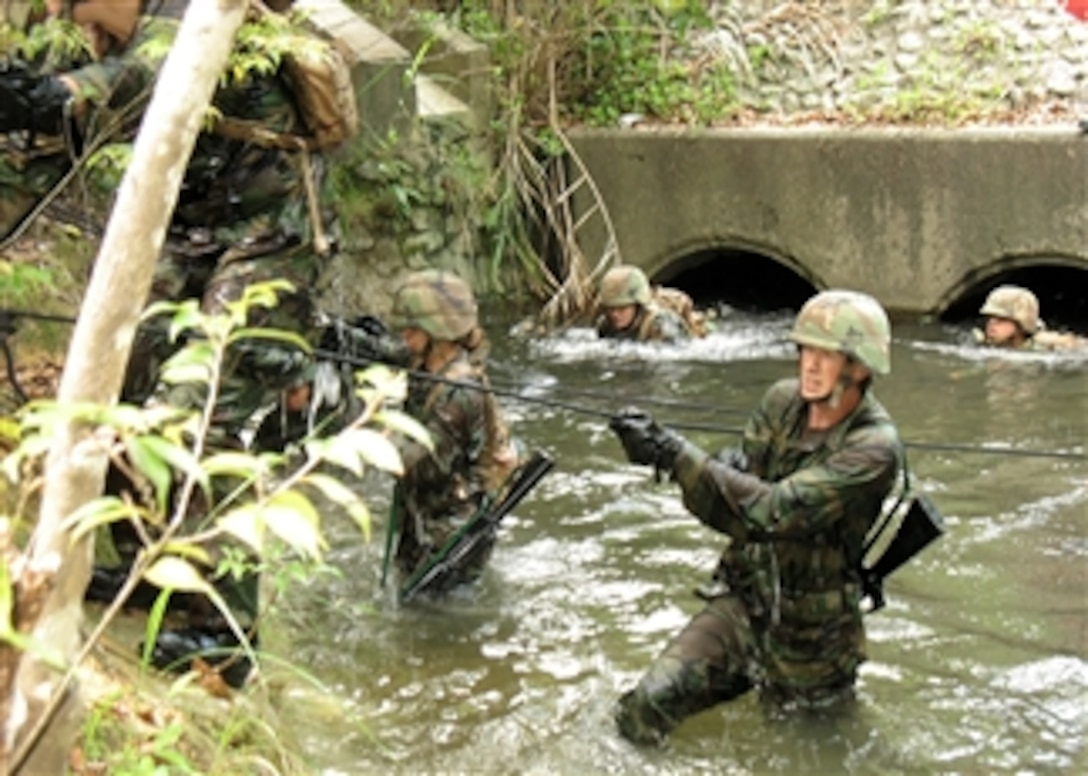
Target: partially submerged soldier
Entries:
(1013, 322)
(818, 458)
(472, 454)
(630, 312)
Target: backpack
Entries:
(318, 75)
(680, 303)
(320, 80)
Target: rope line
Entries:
(512, 391)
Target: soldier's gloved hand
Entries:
(644, 441)
(31, 102)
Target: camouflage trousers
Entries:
(719, 656)
(707, 663)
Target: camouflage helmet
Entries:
(847, 322)
(438, 302)
(622, 286)
(1015, 303)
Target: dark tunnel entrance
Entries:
(744, 280)
(1062, 293)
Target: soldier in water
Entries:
(819, 456)
(630, 311)
(1013, 322)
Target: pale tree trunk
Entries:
(54, 572)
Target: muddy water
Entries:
(979, 662)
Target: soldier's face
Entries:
(621, 317)
(1002, 331)
(819, 372)
(415, 340)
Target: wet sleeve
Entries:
(806, 502)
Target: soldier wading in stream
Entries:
(819, 456)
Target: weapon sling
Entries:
(461, 543)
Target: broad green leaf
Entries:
(391, 383)
(242, 465)
(338, 493)
(245, 525)
(336, 452)
(179, 457)
(407, 425)
(265, 294)
(148, 462)
(292, 517)
(375, 448)
(184, 549)
(183, 375)
(276, 335)
(101, 511)
(177, 573)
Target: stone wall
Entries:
(919, 61)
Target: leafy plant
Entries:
(190, 499)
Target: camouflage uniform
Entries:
(623, 286)
(784, 614)
(443, 488)
(242, 215)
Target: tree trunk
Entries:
(50, 584)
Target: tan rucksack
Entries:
(316, 70)
(676, 300)
(320, 80)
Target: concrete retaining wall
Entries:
(914, 217)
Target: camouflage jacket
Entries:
(443, 488)
(236, 192)
(797, 519)
(652, 324)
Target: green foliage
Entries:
(627, 64)
(255, 512)
(21, 283)
(940, 91)
(386, 185)
(130, 750)
(55, 44)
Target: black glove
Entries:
(644, 441)
(366, 337)
(30, 101)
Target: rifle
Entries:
(479, 528)
(921, 524)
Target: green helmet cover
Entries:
(622, 286)
(846, 322)
(438, 302)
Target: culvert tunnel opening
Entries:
(1062, 293)
(741, 280)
